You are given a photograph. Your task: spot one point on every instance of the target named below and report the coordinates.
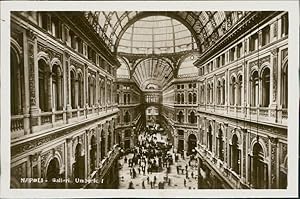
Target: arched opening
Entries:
(52, 172)
(178, 98)
(118, 99)
(79, 165)
(220, 146)
(266, 87)
(192, 143)
(223, 92)
(192, 118)
(80, 91)
(57, 87)
(190, 98)
(194, 98)
(44, 82)
(182, 98)
(109, 138)
(125, 99)
(239, 90)
(219, 97)
(73, 90)
(233, 89)
(259, 169)
(127, 139)
(235, 157)
(128, 98)
(93, 153)
(254, 89)
(92, 91)
(209, 138)
(208, 93)
(180, 117)
(16, 85)
(102, 144)
(127, 117)
(180, 141)
(284, 86)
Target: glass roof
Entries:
(156, 35)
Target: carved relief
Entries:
(275, 72)
(259, 62)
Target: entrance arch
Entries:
(93, 152)
(259, 168)
(79, 165)
(192, 143)
(52, 172)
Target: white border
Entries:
(293, 131)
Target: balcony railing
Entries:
(264, 114)
(54, 118)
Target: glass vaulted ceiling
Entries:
(156, 35)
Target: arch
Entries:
(262, 145)
(55, 155)
(56, 61)
(186, 66)
(17, 49)
(182, 98)
(16, 83)
(79, 164)
(52, 171)
(57, 87)
(259, 168)
(192, 143)
(265, 90)
(254, 88)
(44, 85)
(194, 98)
(44, 56)
(284, 84)
(180, 117)
(127, 117)
(235, 154)
(93, 153)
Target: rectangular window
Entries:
(253, 42)
(218, 62)
(266, 35)
(284, 25)
(239, 50)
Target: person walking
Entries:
(143, 184)
(184, 182)
(192, 174)
(148, 179)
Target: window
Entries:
(178, 98)
(220, 145)
(253, 44)
(178, 86)
(73, 40)
(80, 90)
(127, 117)
(182, 98)
(284, 86)
(259, 169)
(223, 59)
(190, 98)
(125, 99)
(45, 21)
(254, 89)
(92, 91)
(239, 50)
(223, 92)
(219, 97)
(235, 155)
(44, 82)
(17, 84)
(209, 138)
(218, 62)
(180, 117)
(233, 90)
(266, 87)
(56, 27)
(266, 35)
(239, 90)
(190, 85)
(118, 98)
(182, 86)
(192, 118)
(194, 98)
(73, 92)
(284, 25)
(231, 54)
(80, 45)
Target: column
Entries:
(68, 159)
(85, 90)
(86, 157)
(31, 62)
(97, 89)
(98, 138)
(279, 22)
(67, 88)
(105, 91)
(274, 163)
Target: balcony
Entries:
(259, 114)
(20, 124)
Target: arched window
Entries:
(103, 98)
(80, 90)
(125, 99)
(52, 172)
(239, 90)
(208, 93)
(254, 89)
(212, 93)
(284, 86)
(44, 82)
(266, 87)
(128, 98)
(233, 85)
(16, 85)
(127, 117)
(219, 97)
(102, 144)
(93, 153)
(178, 98)
(73, 90)
(192, 117)
(57, 87)
(235, 155)
(118, 98)
(223, 92)
(194, 98)
(180, 117)
(190, 98)
(209, 138)
(182, 98)
(109, 137)
(220, 145)
(259, 169)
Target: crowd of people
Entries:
(153, 155)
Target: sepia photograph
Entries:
(142, 99)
